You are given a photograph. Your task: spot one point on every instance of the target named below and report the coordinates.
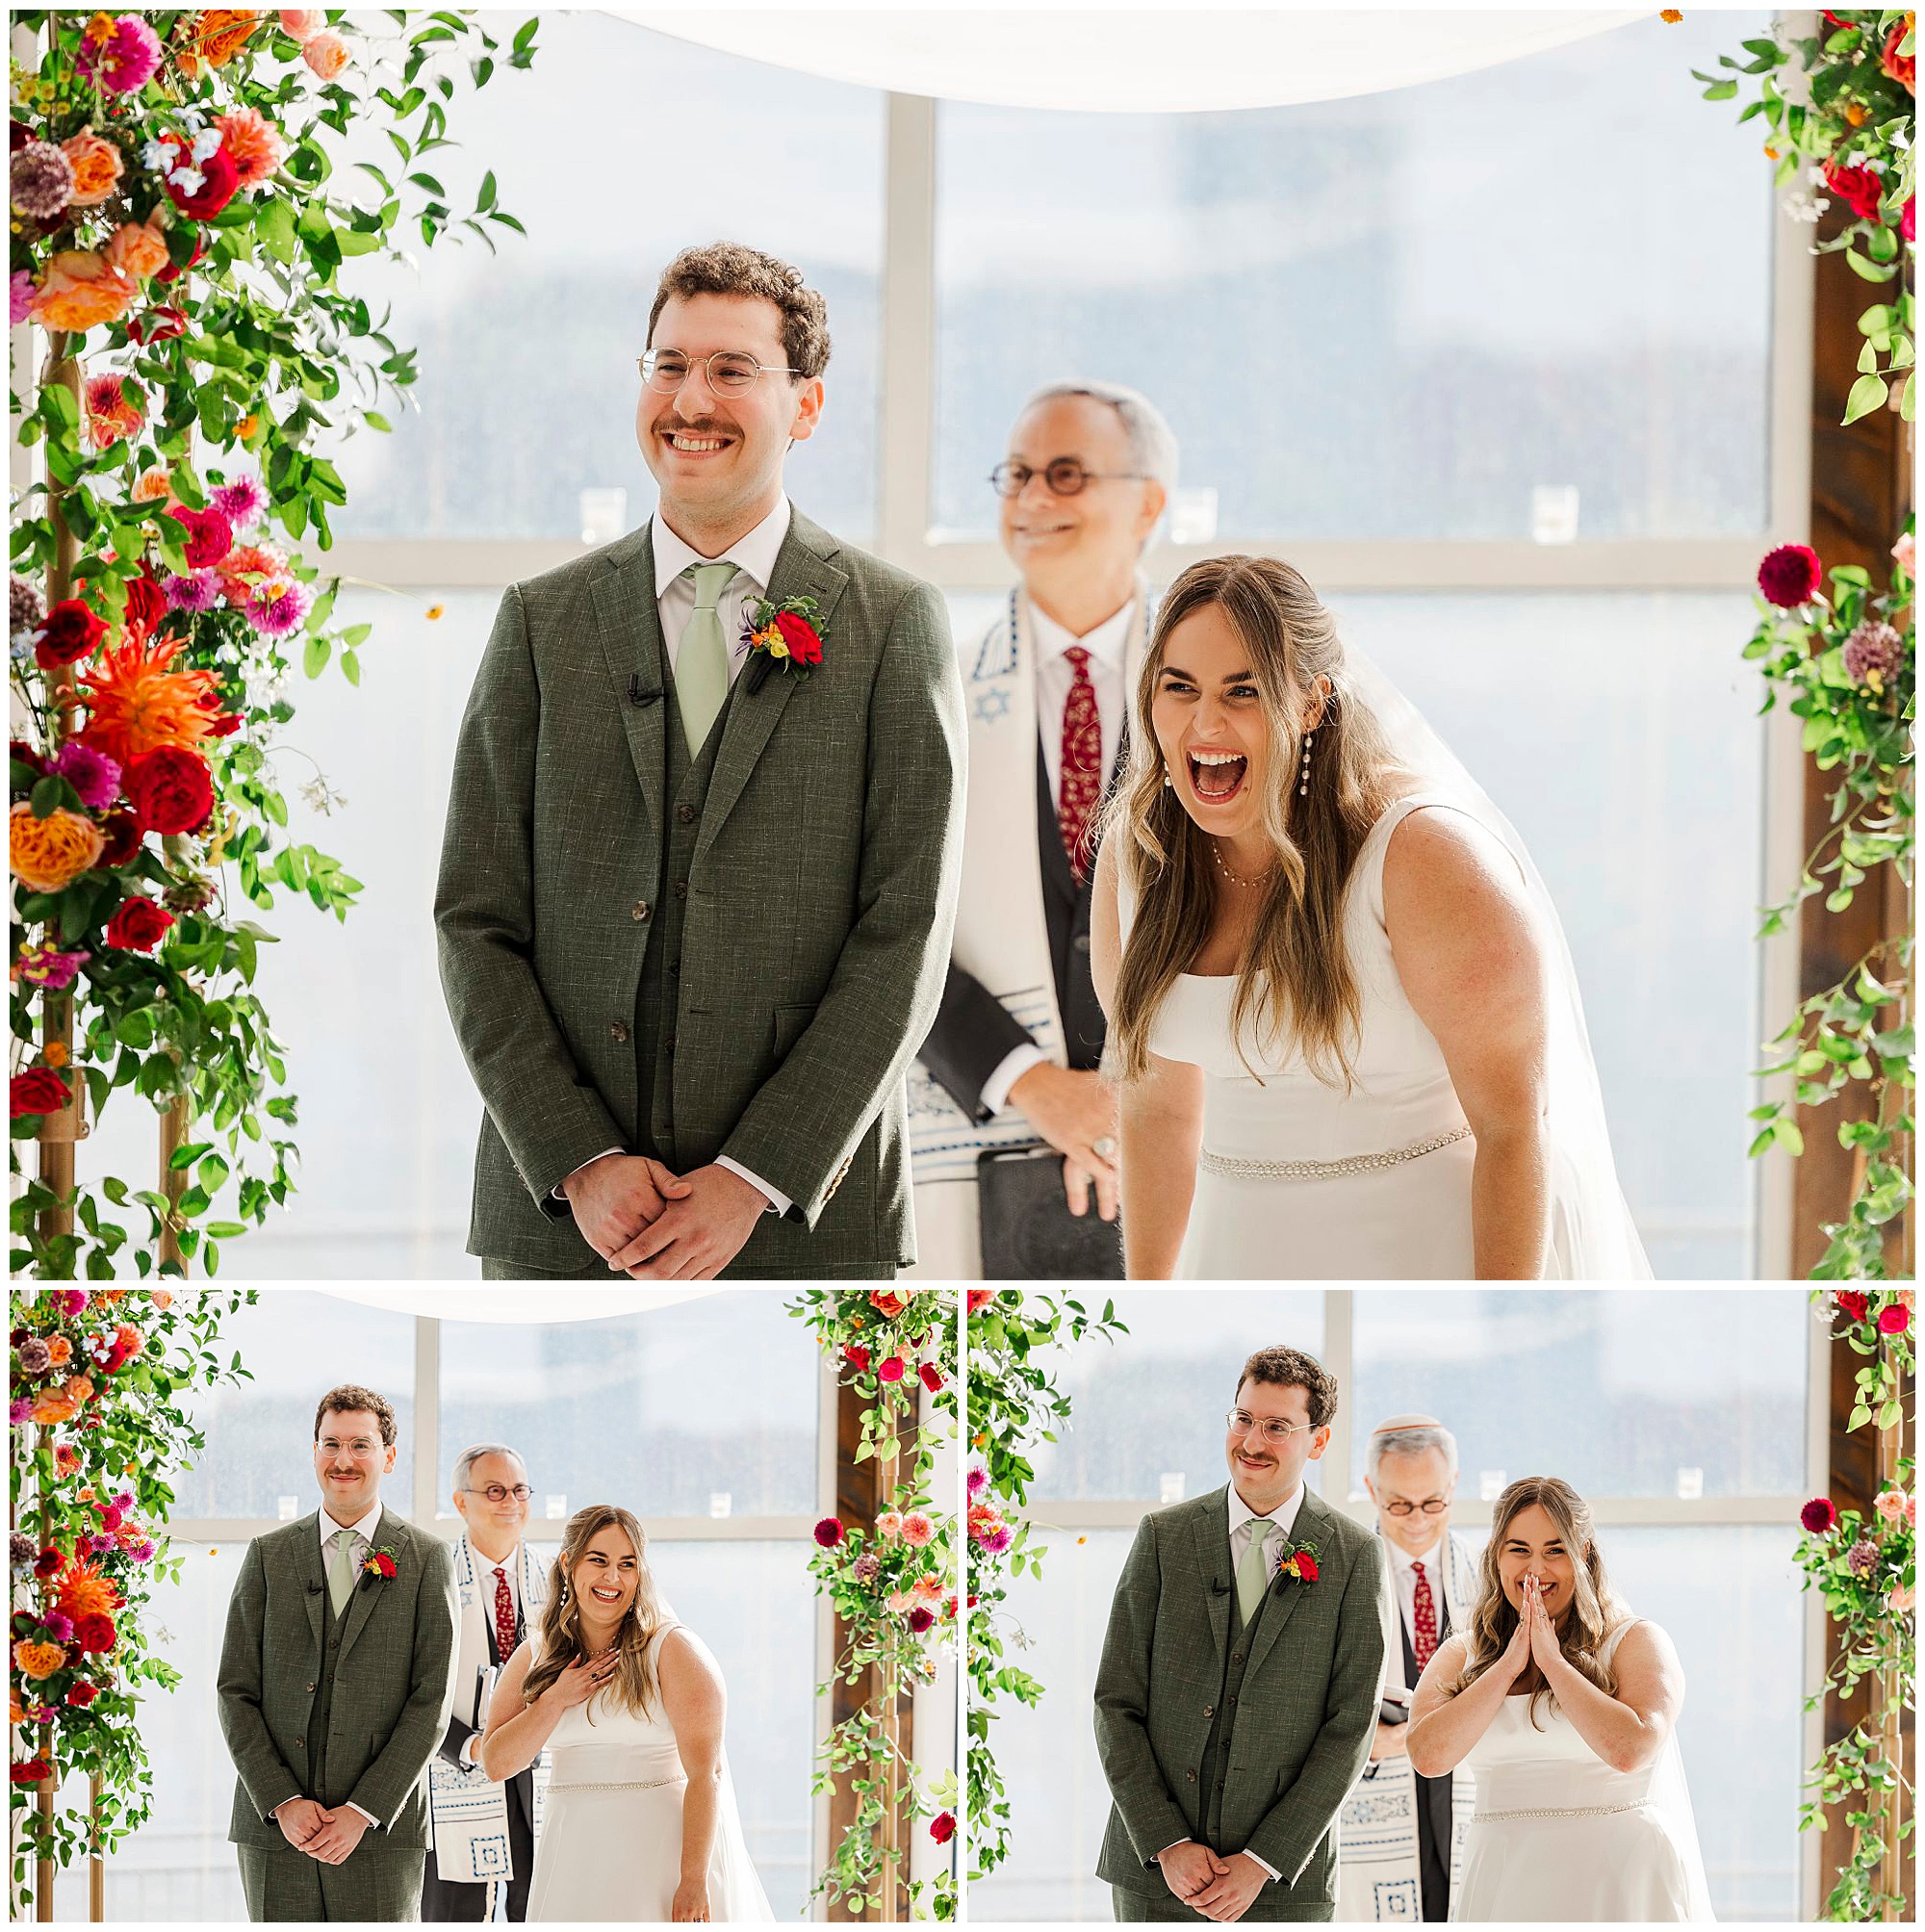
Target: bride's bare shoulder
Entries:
(684, 1658)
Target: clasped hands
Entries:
(653, 1225)
(1221, 1889)
(1534, 1640)
(330, 1836)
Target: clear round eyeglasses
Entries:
(728, 372)
(499, 1492)
(1275, 1433)
(1065, 478)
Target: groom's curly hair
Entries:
(729, 269)
(1291, 1368)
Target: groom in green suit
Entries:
(1237, 1691)
(335, 1676)
(695, 893)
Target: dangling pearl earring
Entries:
(1303, 785)
(1169, 783)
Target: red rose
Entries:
(40, 1090)
(22, 753)
(1790, 574)
(889, 1302)
(1856, 1305)
(147, 605)
(804, 646)
(171, 789)
(1818, 1515)
(158, 325)
(1902, 67)
(48, 1563)
(892, 1371)
(225, 724)
(210, 536)
(174, 271)
(932, 1377)
(1893, 1319)
(381, 1563)
(920, 1618)
(83, 1694)
(123, 834)
(857, 1357)
(220, 178)
(94, 1632)
(73, 630)
(1306, 1567)
(1858, 188)
(942, 1827)
(138, 925)
(35, 1771)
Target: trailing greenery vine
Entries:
(892, 1584)
(179, 234)
(99, 1389)
(1014, 1402)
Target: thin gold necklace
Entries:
(1215, 852)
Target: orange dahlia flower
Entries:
(219, 34)
(82, 289)
(255, 144)
(50, 853)
(82, 1591)
(137, 702)
(138, 249)
(97, 167)
(39, 1660)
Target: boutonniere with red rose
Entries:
(379, 1564)
(1298, 1561)
(787, 634)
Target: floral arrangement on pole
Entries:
(893, 1586)
(98, 1392)
(1014, 1402)
(1848, 664)
(1839, 109)
(1865, 1567)
(178, 236)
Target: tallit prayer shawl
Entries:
(469, 1810)
(1002, 938)
(1378, 1877)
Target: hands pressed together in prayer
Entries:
(1221, 1889)
(652, 1225)
(326, 1835)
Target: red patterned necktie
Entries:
(1423, 1637)
(1080, 781)
(504, 1617)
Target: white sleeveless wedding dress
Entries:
(611, 1846)
(1353, 1218)
(1558, 1835)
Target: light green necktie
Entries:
(1253, 1572)
(340, 1571)
(702, 663)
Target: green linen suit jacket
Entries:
(1306, 1713)
(394, 1681)
(818, 912)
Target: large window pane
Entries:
(1147, 1410)
(1566, 706)
(1394, 316)
(641, 1409)
(1622, 1391)
(617, 148)
(296, 1346)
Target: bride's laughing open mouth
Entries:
(1215, 775)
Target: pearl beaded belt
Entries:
(1575, 1812)
(1353, 1164)
(633, 1784)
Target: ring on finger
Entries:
(1104, 1146)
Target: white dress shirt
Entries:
(1403, 1576)
(1054, 676)
(1243, 1518)
(755, 559)
(363, 1535)
(485, 1582)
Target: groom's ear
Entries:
(810, 397)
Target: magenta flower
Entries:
(195, 591)
(20, 297)
(1790, 574)
(18, 1409)
(829, 1532)
(60, 1628)
(241, 501)
(94, 776)
(69, 1300)
(47, 965)
(100, 1545)
(122, 55)
(920, 1618)
(276, 615)
(1818, 1516)
(979, 1480)
(998, 1539)
(892, 1371)
(141, 1553)
(123, 1501)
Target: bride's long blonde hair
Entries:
(1295, 983)
(633, 1686)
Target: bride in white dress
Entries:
(1347, 1031)
(640, 1822)
(1564, 1705)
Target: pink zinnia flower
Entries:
(197, 591)
(240, 501)
(277, 606)
(20, 297)
(94, 776)
(58, 1627)
(49, 966)
(122, 55)
(917, 1530)
(998, 1539)
(979, 1480)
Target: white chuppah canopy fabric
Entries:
(526, 1304)
(1127, 61)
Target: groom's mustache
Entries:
(705, 425)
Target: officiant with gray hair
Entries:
(1013, 1127)
(484, 1831)
(1401, 1836)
